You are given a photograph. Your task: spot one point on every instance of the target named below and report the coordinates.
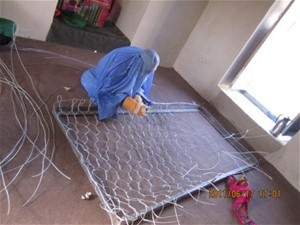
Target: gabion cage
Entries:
(139, 165)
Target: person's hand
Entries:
(143, 108)
(135, 105)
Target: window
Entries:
(268, 76)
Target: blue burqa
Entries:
(123, 72)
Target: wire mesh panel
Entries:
(138, 165)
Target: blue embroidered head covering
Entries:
(123, 72)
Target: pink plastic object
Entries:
(241, 192)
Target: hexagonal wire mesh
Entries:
(139, 165)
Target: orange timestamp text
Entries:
(263, 193)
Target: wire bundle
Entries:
(33, 128)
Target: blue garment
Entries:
(123, 72)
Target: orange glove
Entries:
(135, 105)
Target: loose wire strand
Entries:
(44, 127)
(51, 129)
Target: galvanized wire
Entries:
(139, 165)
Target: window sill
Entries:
(255, 114)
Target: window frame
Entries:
(265, 27)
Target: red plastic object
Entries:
(239, 185)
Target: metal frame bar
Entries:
(82, 110)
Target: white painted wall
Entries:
(164, 25)
(219, 35)
(131, 15)
(287, 161)
(33, 17)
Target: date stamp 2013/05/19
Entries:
(262, 193)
